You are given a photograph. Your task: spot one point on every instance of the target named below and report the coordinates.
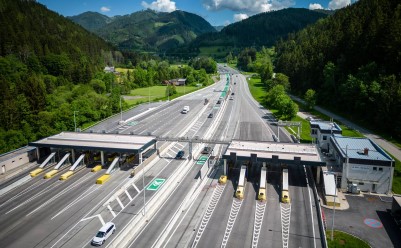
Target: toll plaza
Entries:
(106, 148)
(256, 154)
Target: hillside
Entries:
(46, 65)
(260, 30)
(352, 59)
(91, 21)
(148, 30)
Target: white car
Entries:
(104, 233)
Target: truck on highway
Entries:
(241, 183)
(285, 195)
(185, 110)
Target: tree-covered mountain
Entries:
(260, 30)
(91, 21)
(149, 30)
(47, 64)
(352, 59)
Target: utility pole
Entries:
(121, 110)
(75, 122)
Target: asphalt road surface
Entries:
(53, 213)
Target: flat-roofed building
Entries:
(322, 130)
(362, 162)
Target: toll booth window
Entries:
(375, 168)
(380, 169)
(324, 137)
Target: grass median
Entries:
(342, 239)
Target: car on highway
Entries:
(180, 155)
(210, 115)
(104, 233)
(231, 98)
(232, 93)
(206, 150)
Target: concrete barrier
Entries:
(36, 172)
(66, 175)
(103, 179)
(96, 168)
(50, 174)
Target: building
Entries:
(178, 82)
(109, 69)
(362, 162)
(321, 132)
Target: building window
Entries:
(324, 137)
(375, 168)
(361, 183)
(380, 169)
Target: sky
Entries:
(216, 12)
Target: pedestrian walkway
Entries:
(388, 146)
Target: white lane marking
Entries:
(82, 196)
(91, 217)
(111, 211)
(95, 207)
(129, 196)
(15, 184)
(135, 187)
(310, 204)
(32, 187)
(120, 203)
(165, 160)
(77, 183)
(48, 188)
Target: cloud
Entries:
(313, 6)
(338, 4)
(227, 22)
(240, 17)
(249, 6)
(105, 9)
(160, 5)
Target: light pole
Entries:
(149, 94)
(168, 92)
(75, 122)
(143, 183)
(334, 208)
(121, 111)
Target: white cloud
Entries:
(160, 5)
(105, 9)
(313, 6)
(227, 22)
(240, 17)
(338, 4)
(249, 6)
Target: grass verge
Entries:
(342, 239)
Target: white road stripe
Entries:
(120, 203)
(111, 211)
(129, 197)
(135, 187)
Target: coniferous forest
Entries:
(352, 60)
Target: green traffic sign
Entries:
(202, 160)
(132, 123)
(155, 185)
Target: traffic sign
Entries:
(202, 160)
(155, 185)
(132, 123)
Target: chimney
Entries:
(366, 151)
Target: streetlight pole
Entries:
(75, 122)
(149, 94)
(334, 208)
(121, 110)
(143, 183)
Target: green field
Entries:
(155, 93)
(342, 239)
(215, 51)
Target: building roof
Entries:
(329, 184)
(354, 147)
(326, 125)
(96, 141)
(291, 153)
(12, 154)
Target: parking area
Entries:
(368, 217)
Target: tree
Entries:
(310, 98)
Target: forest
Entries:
(51, 70)
(352, 60)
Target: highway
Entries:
(53, 213)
